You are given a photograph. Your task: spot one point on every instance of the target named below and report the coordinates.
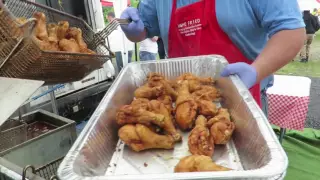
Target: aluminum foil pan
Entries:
(253, 153)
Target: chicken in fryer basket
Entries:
(69, 45)
(41, 36)
(56, 37)
(52, 33)
(198, 163)
(139, 137)
(40, 30)
(76, 33)
(63, 27)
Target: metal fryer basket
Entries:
(29, 62)
(9, 34)
(12, 133)
(47, 171)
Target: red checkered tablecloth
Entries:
(288, 111)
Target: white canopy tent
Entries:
(309, 4)
(119, 6)
(117, 40)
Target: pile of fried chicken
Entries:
(57, 37)
(188, 102)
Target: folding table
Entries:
(288, 101)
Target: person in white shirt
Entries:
(116, 43)
(148, 49)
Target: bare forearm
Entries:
(138, 38)
(280, 50)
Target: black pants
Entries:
(264, 102)
(119, 59)
(161, 51)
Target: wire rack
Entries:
(22, 58)
(47, 171)
(12, 133)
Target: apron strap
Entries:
(174, 6)
(207, 9)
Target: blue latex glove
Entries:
(136, 27)
(246, 72)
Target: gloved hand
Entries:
(136, 27)
(246, 72)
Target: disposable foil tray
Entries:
(254, 151)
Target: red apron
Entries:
(194, 30)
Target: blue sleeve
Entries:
(277, 15)
(148, 14)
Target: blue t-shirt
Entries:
(248, 23)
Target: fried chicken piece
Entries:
(52, 33)
(87, 51)
(223, 115)
(21, 20)
(155, 128)
(198, 163)
(133, 115)
(221, 132)
(63, 27)
(167, 101)
(200, 142)
(142, 103)
(207, 108)
(160, 108)
(69, 45)
(18, 30)
(195, 82)
(186, 107)
(221, 127)
(40, 29)
(208, 93)
(155, 79)
(148, 92)
(139, 137)
(203, 81)
(46, 45)
(76, 34)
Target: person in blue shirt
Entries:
(257, 37)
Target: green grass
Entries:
(133, 55)
(310, 69)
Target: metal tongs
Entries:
(103, 34)
(123, 21)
